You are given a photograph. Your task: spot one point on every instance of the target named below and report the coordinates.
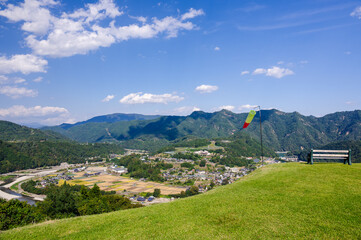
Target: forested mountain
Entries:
(111, 118)
(281, 131)
(13, 132)
(24, 155)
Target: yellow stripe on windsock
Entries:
(249, 118)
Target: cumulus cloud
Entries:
(37, 111)
(244, 73)
(22, 63)
(46, 115)
(217, 49)
(356, 12)
(206, 88)
(108, 98)
(37, 18)
(140, 98)
(227, 107)
(276, 72)
(96, 11)
(247, 107)
(80, 31)
(17, 92)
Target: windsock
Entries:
(250, 116)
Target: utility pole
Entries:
(260, 128)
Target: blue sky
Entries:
(67, 61)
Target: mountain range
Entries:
(281, 130)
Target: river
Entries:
(9, 194)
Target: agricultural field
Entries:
(109, 182)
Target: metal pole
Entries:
(260, 127)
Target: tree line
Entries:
(61, 202)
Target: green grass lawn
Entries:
(284, 201)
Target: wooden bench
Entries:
(344, 155)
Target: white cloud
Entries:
(192, 13)
(244, 73)
(16, 92)
(22, 63)
(15, 80)
(37, 111)
(38, 79)
(96, 11)
(304, 62)
(45, 115)
(140, 98)
(206, 88)
(37, 18)
(348, 53)
(108, 98)
(280, 62)
(246, 107)
(276, 72)
(80, 31)
(140, 19)
(356, 12)
(217, 49)
(259, 71)
(185, 110)
(227, 107)
(3, 79)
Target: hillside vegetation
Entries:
(292, 200)
(281, 131)
(25, 155)
(17, 133)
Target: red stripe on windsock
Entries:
(245, 125)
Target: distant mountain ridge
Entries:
(282, 131)
(110, 118)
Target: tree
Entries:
(95, 192)
(202, 163)
(156, 192)
(60, 202)
(15, 213)
(225, 181)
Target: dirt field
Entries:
(118, 183)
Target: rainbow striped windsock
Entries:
(249, 119)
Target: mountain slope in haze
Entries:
(111, 118)
(15, 132)
(281, 131)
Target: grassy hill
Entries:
(292, 200)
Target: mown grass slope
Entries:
(291, 200)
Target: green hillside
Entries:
(17, 133)
(25, 155)
(281, 131)
(284, 201)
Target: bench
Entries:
(344, 155)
